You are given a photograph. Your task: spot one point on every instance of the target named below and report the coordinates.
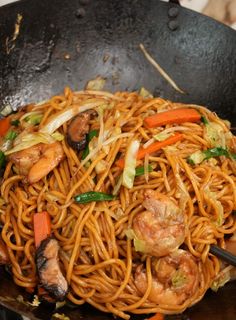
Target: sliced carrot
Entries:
(42, 227)
(153, 148)
(157, 316)
(4, 126)
(172, 116)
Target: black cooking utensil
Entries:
(223, 254)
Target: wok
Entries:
(70, 42)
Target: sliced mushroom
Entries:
(49, 270)
(78, 128)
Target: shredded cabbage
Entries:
(6, 110)
(117, 186)
(139, 245)
(214, 134)
(29, 140)
(96, 84)
(162, 136)
(221, 279)
(178, 279)
(197, 157)
(60, 316)
(130, 164)
(57, 136)
(145, 93)
(31, 118)
(61, 117)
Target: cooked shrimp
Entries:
(37, 161)
(175, 278)
(161, 228)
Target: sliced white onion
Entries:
(61, 117)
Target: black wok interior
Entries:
(66, 43)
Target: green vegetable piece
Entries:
(34, 119)
(190, 161)
(15, 123)
(178, 279)
(200, 156)
(204, 120)
(93, 196)
(139, 171)
(233, 156)
(2, 159)
(196, 158)
(11, 135)
(216, 152)
(89, 137)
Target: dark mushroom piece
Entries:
(4, 258)
(78, 128)
(49, 271)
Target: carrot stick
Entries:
(172, 116)
(42, 227)
(157, 316)
(153, 148)
(4, 126)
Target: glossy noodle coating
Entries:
(105, 246)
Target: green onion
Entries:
(216, 152)
(89, 137)
(93, 196)
(2, 159)
(204, 120)
(34, 119)
(139, 171)
(11, 135)
(15, 123)
(200, 156)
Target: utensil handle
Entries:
(223, 254)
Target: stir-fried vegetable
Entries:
(199, 156)
(178, 279)
(11, 135)
(31, 118)
(139, 245)
(2, 160)
(93, 196)
(42, 227)
(221, 279)
(130, 164)
(96, 84)
(28, 140)
(204, 120)
(4, 126)
(63, 116)
(145, 93)
(89, 137)
(58, 136)
(215, 135)
(139, 171)
(15, 122)
(172, 116)
(154, 147)
(162, 136)
(159, 69)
